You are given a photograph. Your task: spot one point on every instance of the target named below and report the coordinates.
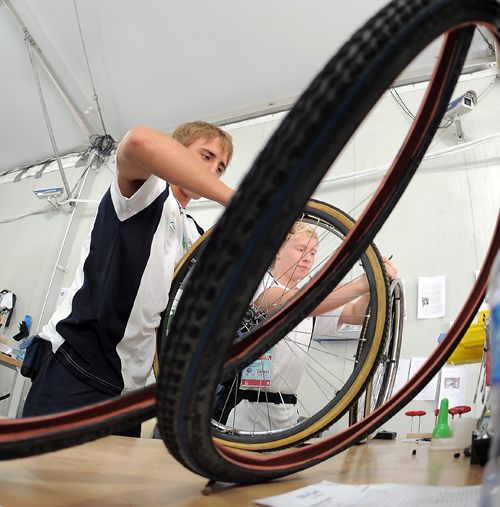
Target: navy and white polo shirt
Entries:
(104, 331)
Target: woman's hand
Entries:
(390, 268)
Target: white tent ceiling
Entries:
(160, 63)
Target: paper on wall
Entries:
(431, 297)
(453, 385)
(428, 393)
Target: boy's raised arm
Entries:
(145, 151)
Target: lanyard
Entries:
(181, 211)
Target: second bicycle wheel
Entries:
(381, 386)
(334, 362)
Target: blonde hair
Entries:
(298, 230)
(189, 132)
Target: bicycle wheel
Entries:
(336, 367)
(244, 243)
(380, 388)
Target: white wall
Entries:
(441, 226)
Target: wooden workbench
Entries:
(118, 471)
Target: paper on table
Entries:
(431, 297)
(5, 349)
(329, 494)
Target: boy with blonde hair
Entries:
(102, 338)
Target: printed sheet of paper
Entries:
(428, 393)
(6, 300)
(329, 494)
(405, 317)
(453, 385)
(62, 296)
(402, 374)
(431, 297)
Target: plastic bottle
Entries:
(442, 429)
(490, 495)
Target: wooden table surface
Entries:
(119, 471)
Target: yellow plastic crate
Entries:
(470, 349)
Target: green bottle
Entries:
(442, 430)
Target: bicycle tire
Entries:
(183, 408)
(380, 388)
(396, 291)
(181, 272)
(338, 392)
